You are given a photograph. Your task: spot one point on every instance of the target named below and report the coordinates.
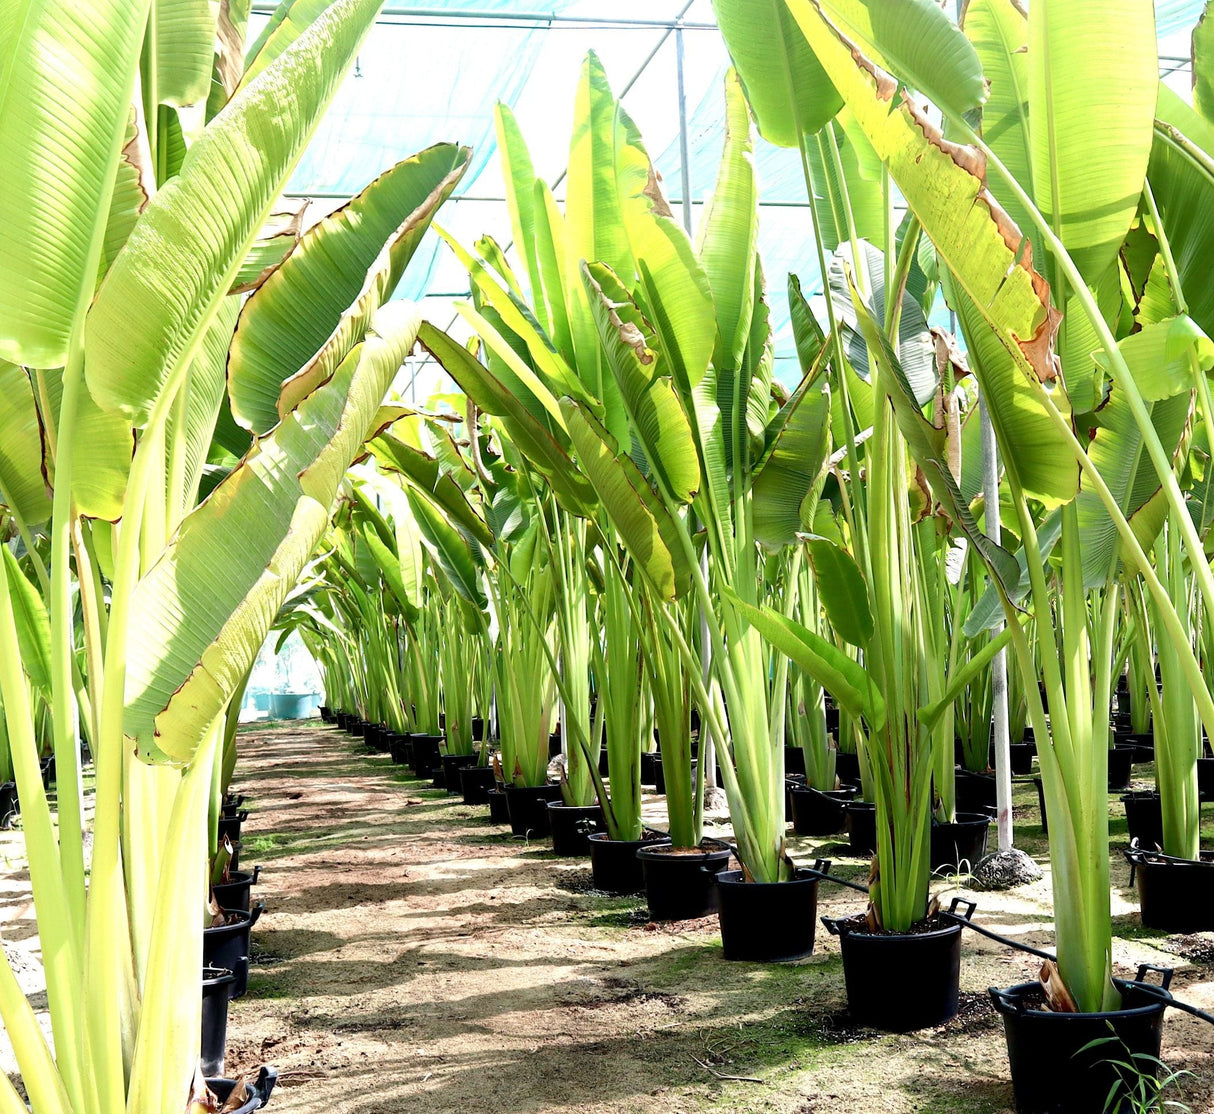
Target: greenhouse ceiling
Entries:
(433, 72)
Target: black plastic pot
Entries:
(819, 812)
(231, 804)
(1021, 758)
(961, 842)
(1205, 779)
(475, 782)
(10, 807)
(342, 718)
(680, 882)
(358, 728)
(899, 981)
(1121, 760)
(236, 893)
(1142, 746)
(528, 806)
(554, 744)
(571, 827)
(326, 714)
(259, 1090)
(1174, 895)
(861, 827)
(478, 728)
(234, 861)
(1045, 822)
(228, 946)
(791, 782)
(427, 758)
(48, 772)
(767, 922)
(229, 826)
(649, 762)
(499, 810)
(659, 771)
(217, 985)
(974, 792)
(847, 768)
(1144, 818)
(1056, 1068)
(400, 747)
(614, 864)
(794, 761)
(452, 764)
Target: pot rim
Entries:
(835, 926)
(736, 878)
(1008, 1002)
(657, 848)
(573, 808)
(1141, 857)
(603, 837)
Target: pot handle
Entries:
(832, 926)
(242, 815)
(264, 1086)
(956, 903)
(256, 912)
(1005, 1002)
(256, 875)
(1165, 974)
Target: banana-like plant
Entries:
(1065, 158)
(130, 234)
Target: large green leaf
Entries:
(22, 484)
(65, 91)
(290, 20)
(1091, 136)
(729, 230)
(427, 475)
(33, 624)
(656, 413)
(295, 311)
(792, 466)
(842, 590)
(1203, 64)
(999, 31)
(459, 559)
(521, 202)
(184, 50)
(642, 520)
(184, 253)
(205, 606)
(529, 437)
(944, 185)
(917, 42)
(846, 680)
(787, 90)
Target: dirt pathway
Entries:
(415, 958)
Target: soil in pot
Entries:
(571, 827)
(236, 893)
(1056, 1066)
(960, 844)
(227, 945)
(1144, 818)
(614, 865)
(528, 806)
(475, 783)
(1174, 895)
(899, 981)
(217, 985)
(452, 764)
(1121, 760)
(680, 881)
(819, 812)
(767, 922)
(499, 810)
(861, 827)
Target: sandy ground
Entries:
(414, 958)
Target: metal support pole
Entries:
(1003, 754)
